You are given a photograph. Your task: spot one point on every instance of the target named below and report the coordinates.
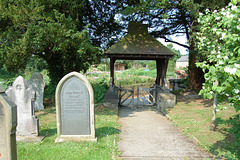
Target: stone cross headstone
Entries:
(21, 94)
(8, 124)
(75, 109)
(37, 83)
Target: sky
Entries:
(180, 39)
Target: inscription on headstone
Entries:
(37, 83)
(21, 94)
(75, 108)
(8, 123)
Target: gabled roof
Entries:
(138, 42)
(183, 59)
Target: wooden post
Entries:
(119, 96)
(133, 97)
(159, 72)
(112, 61)
(164, 65)
(155, 95)
(137, 96)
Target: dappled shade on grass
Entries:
(194, 116)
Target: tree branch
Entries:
(168, 40)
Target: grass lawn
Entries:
(107, 131)
(194, 117)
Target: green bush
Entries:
(93, 75)
(141, 72)
(171, 74)
(7, 78)
(132, 80)
(151, 73)
(100, 87)
(235, 132)
(171, 66)
(49, 91)
(36, 64)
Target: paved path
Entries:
(135, 101)
(147, 135)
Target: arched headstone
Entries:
(37, 83)
(75, 109)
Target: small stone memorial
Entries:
(166, 100)
(8, 124)
(75, 109)
(21, 94)
(37, 83)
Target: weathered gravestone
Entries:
(75, 109)
(21, 94)
(8, 123)
(166, 100)
(37, 83)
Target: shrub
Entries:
(100, 87)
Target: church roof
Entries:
(137, 43)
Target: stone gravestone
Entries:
(21, 94)
(8, 124)
(75, 109)
(37, 83)
(166, 100)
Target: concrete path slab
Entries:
(147, 134)
(135, 101)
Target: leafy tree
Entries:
(177, 52)
(36, 64)
(173, 17)
(219, 40)
(31, 29)
(64, 33)
(172, 61)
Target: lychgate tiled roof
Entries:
(139, 42)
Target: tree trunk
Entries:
(213, 128)
(196, 75)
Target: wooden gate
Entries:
(126, 97)
(146, 96)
